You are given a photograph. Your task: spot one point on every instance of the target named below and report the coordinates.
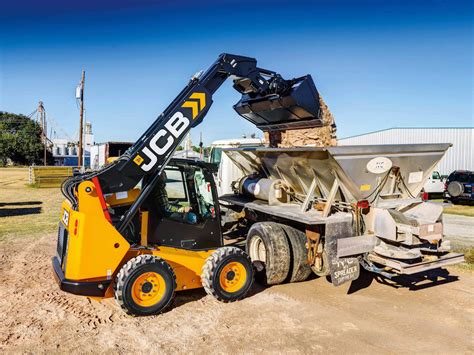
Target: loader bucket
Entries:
(359, 169)
(297, 107)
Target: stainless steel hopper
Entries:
(361, 170)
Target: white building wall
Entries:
(459, 157)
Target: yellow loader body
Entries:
(94, 250)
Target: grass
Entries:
(26, 211)
(468, 257)
(460, 210)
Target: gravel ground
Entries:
(427, 316)
(459, 230)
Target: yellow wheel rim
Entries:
(233, 277)
(148, 289)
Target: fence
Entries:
(49, 176)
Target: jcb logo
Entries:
(173, 129)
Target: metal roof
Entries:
(388, 129)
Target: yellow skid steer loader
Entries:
(114, 242)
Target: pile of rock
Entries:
(316, 137)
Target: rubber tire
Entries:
(128, 274)
(455, 189)
(211, 273)
(278, 256)
(299, 268)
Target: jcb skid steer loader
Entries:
(111, 242)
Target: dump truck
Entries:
(292, 211)
(351, 206)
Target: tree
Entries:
(20, 140)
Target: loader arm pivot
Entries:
(267, 100)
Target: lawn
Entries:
(26, 210)
(462, 210)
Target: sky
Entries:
(377, 64)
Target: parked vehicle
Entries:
(459, 186)
(434, 186)
(354, 204)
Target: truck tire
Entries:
(268, 249)
(145, 285)
(299, 268)
(227, 274)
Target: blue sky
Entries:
(378, 64)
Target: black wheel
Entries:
(268, 249)
(227, 274)
(299, 268)
(145, 285)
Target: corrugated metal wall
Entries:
(459, 157)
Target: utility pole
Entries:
(201, 150)
(81, 119)
(44, 129)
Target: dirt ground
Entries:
(310, 317)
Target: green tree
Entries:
(20, 140)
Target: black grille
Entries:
(62, 243)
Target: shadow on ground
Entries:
(183, 297)
(6, 211)
(412, 282)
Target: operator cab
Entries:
(189, 184)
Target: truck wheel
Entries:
(145, 285)
(268, 248)
(227, 274)
(299, 268)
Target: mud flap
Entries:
(341, 270)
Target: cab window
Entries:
(435, 176)
(205, 199)
(216, 155)
(175, 186)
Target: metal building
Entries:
(459, 157)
